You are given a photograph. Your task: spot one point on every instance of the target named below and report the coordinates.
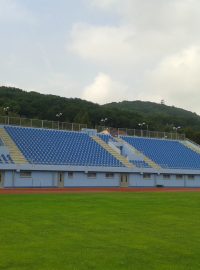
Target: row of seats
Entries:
(54, 147)
(42, 146)
(166, 153)
(140, 163)
(6, 159)
(106, 137)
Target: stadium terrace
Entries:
(41, 157)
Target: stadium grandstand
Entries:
(50, 156)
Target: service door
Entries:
(60, 179)
(1, 180)
(124, 180)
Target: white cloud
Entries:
(12, 11)
(149, 48)
(104, 90)
(104, 4)
(158, 15)
(148, 32)
(102, 44)
(53, 83)
(57, 84)
(152, 49)
(175, 79)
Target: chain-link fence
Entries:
(26, 122)
(141, 133)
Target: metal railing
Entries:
(142, 133)
(37, 123)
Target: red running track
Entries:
(91, 190)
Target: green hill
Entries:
(160, 116)
(126, 114)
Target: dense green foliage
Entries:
(126, 114)
(121, 231)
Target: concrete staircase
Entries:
(150, 162)
(15, 153)
(191, 145)
(109, 149)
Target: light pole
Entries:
(6, 110)
(103, 124)
(176, 130)
(144, 124)
(103, 120)
(58, 115)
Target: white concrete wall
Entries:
(43, 179)
(8, 178)
(37, 179)
(192, 183)
(141, 183)
(171, 183)
(137, 180)
(82, 180)
(50, 179)
(22, 181)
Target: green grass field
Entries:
(100, 231)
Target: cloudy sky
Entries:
(103, 50)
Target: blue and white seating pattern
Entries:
(140, 163)
(106, 137)
(166, 153)
(54, 147)
(6, 159)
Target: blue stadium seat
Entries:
(140, 163)
(43, 146)
(10, 160)
(166, 153)
(106, 137)
(6, 159)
